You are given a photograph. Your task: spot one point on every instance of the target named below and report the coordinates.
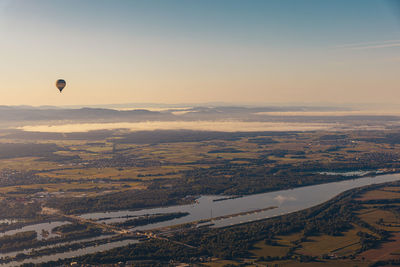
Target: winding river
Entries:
(285, 201)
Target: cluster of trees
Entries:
(70, 227)
(78, 231)
(225, 150)
(172, 136)
(157, 252)
(228, 179)
(14, 209)
(384, 138)
(262, 140)
(131, 199)
(121, 160)
(17, 150)
(367, 241)
(9, 177)
(18, 240)
(394, 262)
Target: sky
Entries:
(187, 51)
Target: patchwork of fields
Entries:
(65, 177)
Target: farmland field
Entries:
(66, 178)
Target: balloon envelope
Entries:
(60, 84)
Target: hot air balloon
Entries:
(60, 84)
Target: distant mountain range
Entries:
(16, 116)
(48, 113)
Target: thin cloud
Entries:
(376, 46)
(367, 43)
(371, 45)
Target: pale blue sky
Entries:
(174, 51)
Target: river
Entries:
(39, 228)
(286, 201)
(74, 253)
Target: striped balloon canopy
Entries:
(60, 84)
